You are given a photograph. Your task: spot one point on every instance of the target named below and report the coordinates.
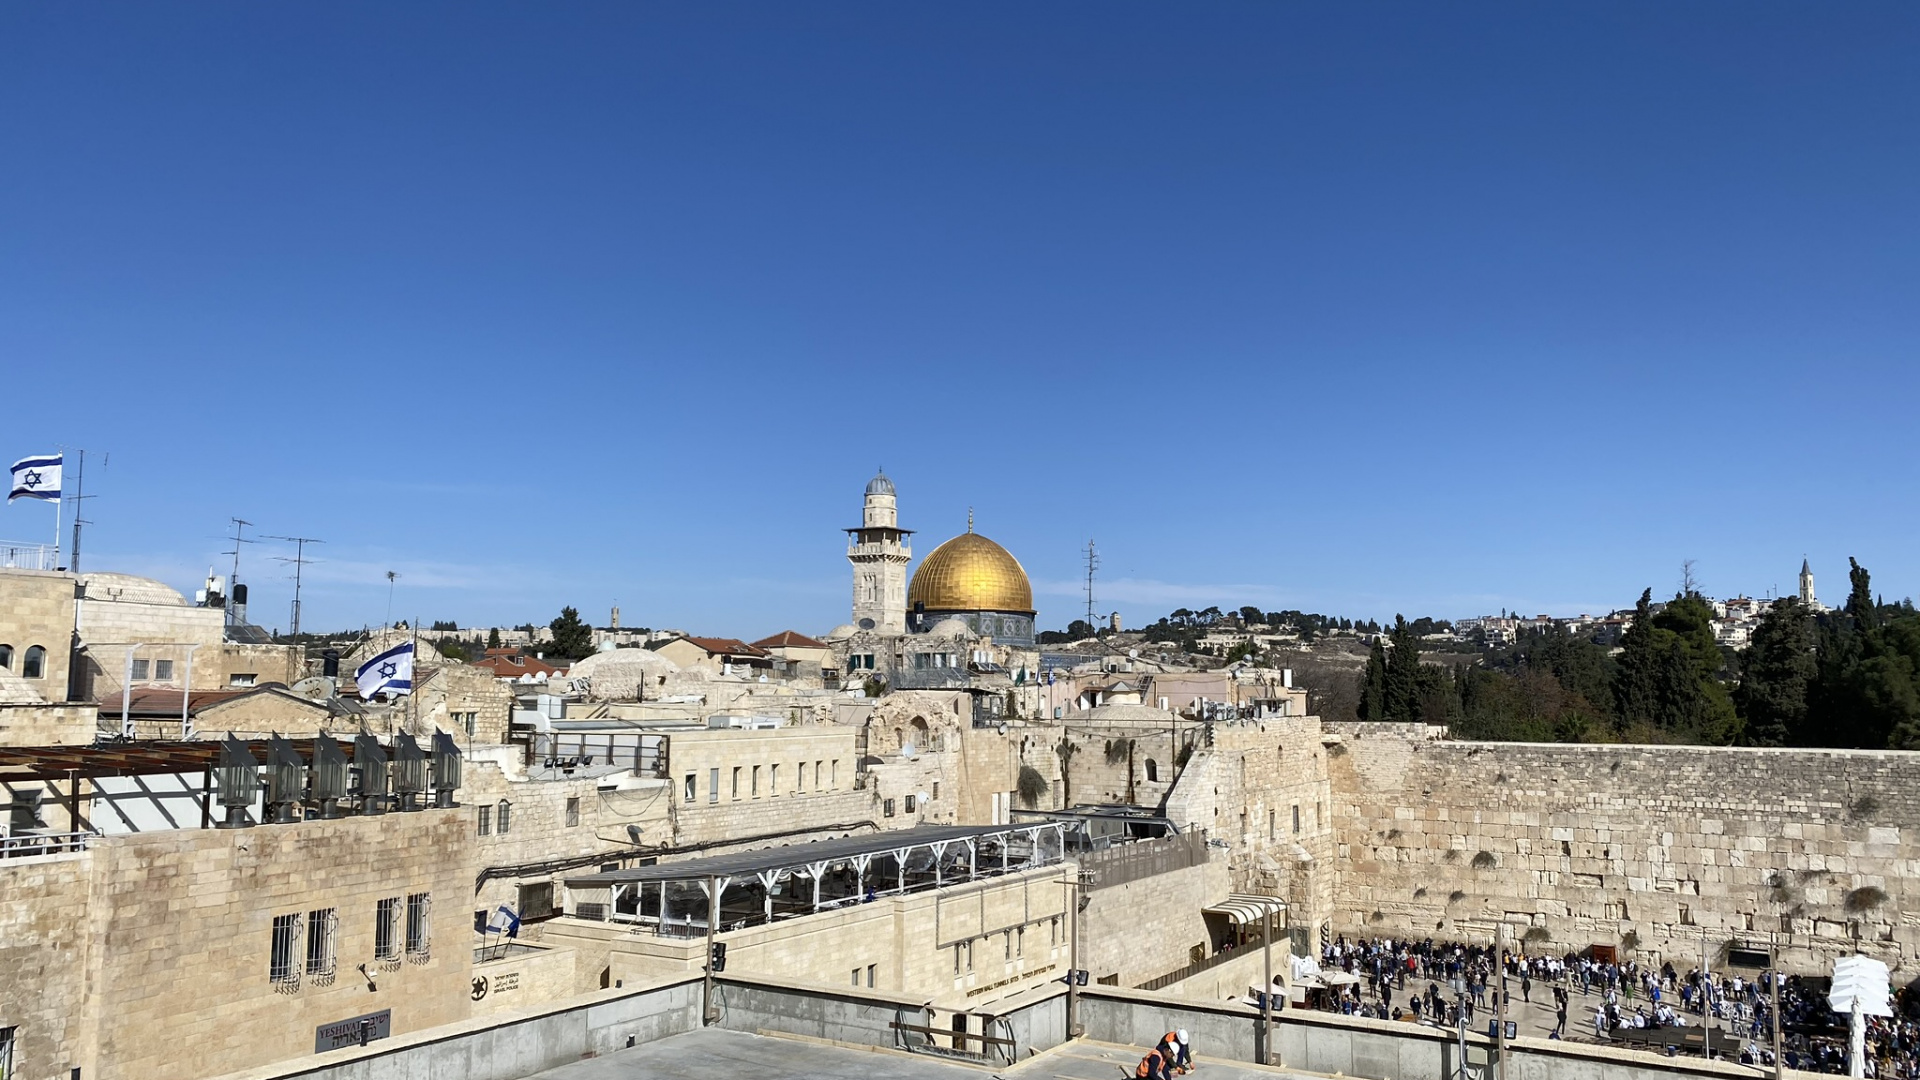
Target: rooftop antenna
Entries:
(392, 576)
(299, 561)
(239, 526)
(1093, 563)
(79, 493)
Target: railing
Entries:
(25, 845)
(1123, 863)
(1254, 940)
(16, 556)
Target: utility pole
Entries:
(1074, 1030)
(1266, 990)
(79, 494)
(1093, 563)
(1706, 974)
(1500, 996)
(239, 526)
(1773, 982)
(299, 561)
(708, 1014)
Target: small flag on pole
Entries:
(504, 921)
(391, 672)
(36, 478)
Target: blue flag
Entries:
(36, 478)
(391, 672)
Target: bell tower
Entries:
(1806, 587)
(879, 551)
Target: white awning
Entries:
(1246, 909)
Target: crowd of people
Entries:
(1387, 977)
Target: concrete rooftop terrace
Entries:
(735, 1055)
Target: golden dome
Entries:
(971, 573)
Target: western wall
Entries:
(1665, 851)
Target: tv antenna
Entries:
(1093, 563)
(299, 561)
(79, 493)
(239, 526)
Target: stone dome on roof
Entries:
(618, 674)
(880, 484)
(127, 588)
(1127, 712)
(842, 632)
(971, 573)
(953, 628)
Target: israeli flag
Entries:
(504, 921)
(36, 478)
(391, 672)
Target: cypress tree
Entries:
(1776, 671)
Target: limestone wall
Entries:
(47, 725)
(1660, 847)
(36, 608)
(45, 952)
(524, 979)
(1147, 928)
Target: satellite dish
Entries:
(317, 688)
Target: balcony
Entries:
(17, 556)
(27, 845)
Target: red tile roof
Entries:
(725, 646)
(514, 666)
(788, 639)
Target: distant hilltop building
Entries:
(1807, 599)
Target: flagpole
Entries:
(413, 672)
(58, 505)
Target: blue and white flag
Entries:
(391, 672)
(504, 921)
(36, 478)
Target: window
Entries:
(284, 965)
(536, 900)
(140, 671)
(819, 780)
(773, 781)
(1271, 831)
(736, 781)
(910, 799)
(241, 679)
(1053, 932)
(691, 794)
(419, 928)
(1020, 942)
(833, 778)
(936, 789)
(1153, 771)
(321, 924)
(163, 670)
(469, 725)
(6, 1043)
(886, 807)
(1686, 915)
(800, 779)
(713, 786)
(1296, 817)
(6, 661)
(573, 811)
(24, 813)
(1006, 945)
(34, 665)
(504, 816)
(873, 972)
(756, 781)
(386, 929)
(486, 820)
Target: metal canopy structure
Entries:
(128, 758)
(1246, 910)
(769, 884)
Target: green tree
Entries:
(1636, 683)
(1373, 684)
(1860, 603)
(493, 638)
(572, 638)
(1079, 630)
(1776, 671)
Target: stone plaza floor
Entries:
(717, 1054)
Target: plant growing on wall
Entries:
(1031, 786)
(1065, 751)
(1864, 899)
(1118, 750)
(1485, 861)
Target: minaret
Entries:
(879, 551)
(1806, 587)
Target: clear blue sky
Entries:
(1434, 308)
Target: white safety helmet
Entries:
(1183, 1036)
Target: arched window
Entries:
(1153, 772)
(35, 663)
(6, 657)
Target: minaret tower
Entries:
(1806, 587)
(879, 551)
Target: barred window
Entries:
(486, 820)
(419, 928)
(163, 670)
(284, 965)
(321, 926)
(386, 929)
(573, 812)
(505, 816)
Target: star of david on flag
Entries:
(391, 672)
(36, 478)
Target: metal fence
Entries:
(1255, 939)
(22, 845)
(1143, 859)
(16, 556)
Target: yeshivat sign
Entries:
(357, 1031)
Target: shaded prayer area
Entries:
(767, 885)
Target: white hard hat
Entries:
(1183, 1035)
